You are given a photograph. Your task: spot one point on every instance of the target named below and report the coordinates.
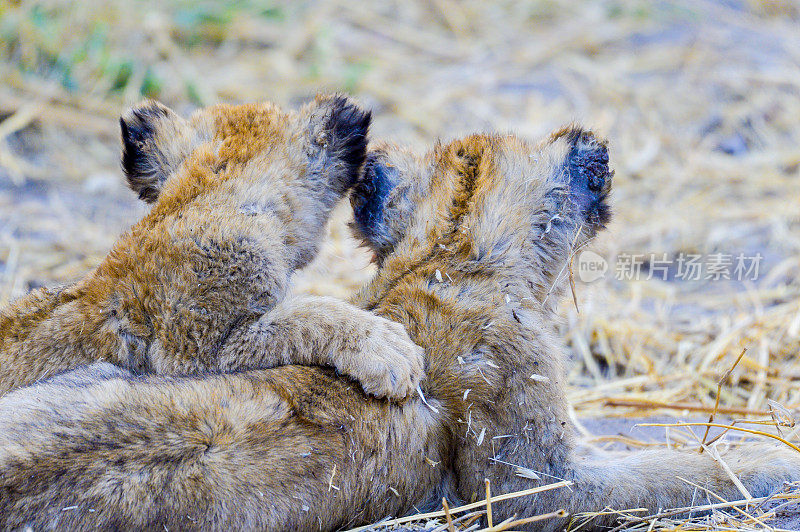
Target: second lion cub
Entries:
(241, 195)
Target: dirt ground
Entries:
(700, 100)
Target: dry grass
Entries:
(700, 100)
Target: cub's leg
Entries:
(324, 331)
(287, 449)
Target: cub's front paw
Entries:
(386, 363)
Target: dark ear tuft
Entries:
(347, 128)
(140, 153)
(590, 175)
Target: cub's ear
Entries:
(154, 143)
(340, 131)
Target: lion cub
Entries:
(471, 238)
(240, 195)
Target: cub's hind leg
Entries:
(291, 448)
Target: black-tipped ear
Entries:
(347, 128)
(143, 159)
(590, 176)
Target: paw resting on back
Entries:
(387, 364)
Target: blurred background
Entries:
(700, 100)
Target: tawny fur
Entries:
(241, 196)
(472, 239)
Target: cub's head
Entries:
(494, 203)
(322, 146)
